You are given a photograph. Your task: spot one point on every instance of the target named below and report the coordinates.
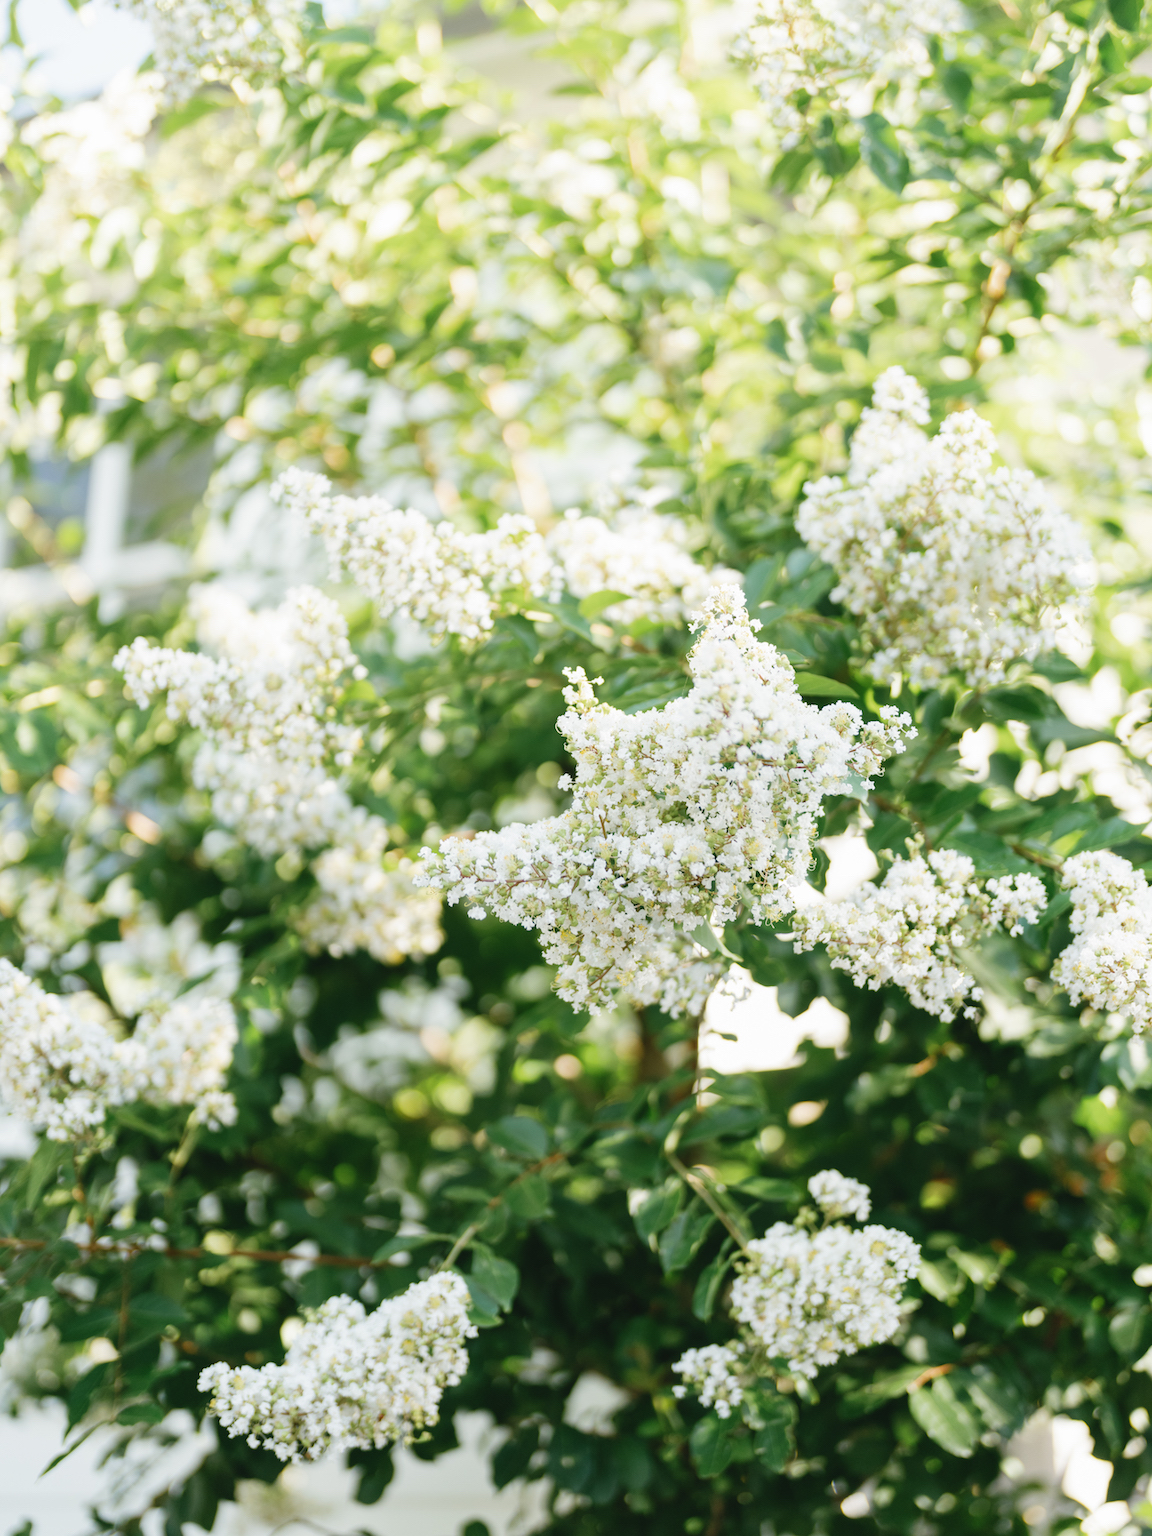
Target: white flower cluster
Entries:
(152, 964)
(711, 1374)
(451, 581)
(351, 1379)
(61, 1070)
(680, 816)
(264, 714)
(457, 583)
(838, 1196)
(910, 929)
(812, 1297)
(819, 46)
(266, 710)
(950, 563)
(369, 901)
(197, 41)
(1109, 961)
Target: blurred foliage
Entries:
(373, 270)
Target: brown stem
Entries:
(699, 1187)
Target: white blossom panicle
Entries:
(62, 1071)
(184, 1054)
(810, 1298)
(269, 742)
(835, 46)
(453, 582)
(1109, 961)
(711, 1373)
(456, 583)
(837, 1195)
(152, 963)
(951, 563)
(909, 930)
(198, 41)
(680, 816)
(351, 1379)
(271, 757)
(368, 901)
(639, 552)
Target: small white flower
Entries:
(680, 816)
(835, 46)
(949, 563)
(910, 929)
(712, 1374)
(62, 1071)
(351, 1379)
(1109, 961)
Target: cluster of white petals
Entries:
(198, 41)
(367, 900)
(458, 583)
(453, 582)
(153, 963)
(909, 930)
(351, 1379)
(835, 46)
(838, 1196)
(638, 551)
(711, 1374)
(1109, 961)
(264, 709)
(810, 1298)
(680, 816)
(271, 754)
(263, 712)
(950, 563)
(62, 1071)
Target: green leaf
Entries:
(594, 605)
(1128, 1331)
(87, 1325)
(882, 153)
(682, 1238)
(511, 1460)
(521, 1136)
(1126, 13)
(813, 686)
(1112, 56)
(944, 1418)
(773, 1445)
(891, 1384)
(528, 1197)
(660, 1206)
(499, 1277)
(710, 1445)
(957, 84)
(709, 1283)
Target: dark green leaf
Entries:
(710, 1446)
(882, 153)
(521, 1136)
(1126, 13)
(944, 1418)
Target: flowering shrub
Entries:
(561, 595)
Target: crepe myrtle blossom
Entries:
(62, 1070)
(458, 583)
(807, 1299)
(950, 563)
(270, 744)
(804, 48)
(910, 929)
(199, 41)
(711, 1374)
(351, 1379)
(1109, 961)
(367, 899)
(453, 582)
(680, 816)
(272, 755)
